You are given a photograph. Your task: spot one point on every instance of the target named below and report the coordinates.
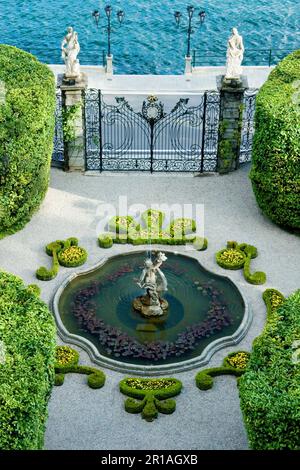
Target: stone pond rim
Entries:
(150, 370)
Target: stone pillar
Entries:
(109, 67)
(230, 125)
(73, 112)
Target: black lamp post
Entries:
(190, 29)
(108, 12)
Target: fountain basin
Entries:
(93, 309)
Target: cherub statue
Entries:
(155, 282)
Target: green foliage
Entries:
(120, 224)
(153, 219)
(26, 376)
(269, 389)
(150, 396)
(256, 278)
(69, 115)
(123, 229)
(67, 360)
(26, 135)
(236, 256)
(275, 172)
(204, 378)
(35, 289)
(66, 253)
(105, 240)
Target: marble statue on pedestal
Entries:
(70, 49)
(154, 282)
(235, 56)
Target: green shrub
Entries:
(236, 256)
(153, 219)
(275, 172)
(67, 360)
(105, 240)
(150, 396)
(269, 389)
(256, 278)
(200, 244)
(36, 290)
(26, 377)
(120, 224)
(231, 257)
(66, 253)
(204, 378)
(26, 136)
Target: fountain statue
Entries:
(154, 281)
(70, 49)
(235, 55)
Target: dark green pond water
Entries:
(202, 308)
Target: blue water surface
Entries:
(149, 41)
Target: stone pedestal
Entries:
(188, 67)
(147, 309)
(230, 124)
(72, 92)
(109, 67)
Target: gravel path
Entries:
(81, 418)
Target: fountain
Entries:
(184, 314)
(152, 304)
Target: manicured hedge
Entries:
(275, 171)
(150, 396)
(26, 136)
(67, 360)
(270, 388)
(27, 332)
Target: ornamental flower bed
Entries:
(150, 396)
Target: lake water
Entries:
(149, 41)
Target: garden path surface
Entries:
(81, 418)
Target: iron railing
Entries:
(253, 57)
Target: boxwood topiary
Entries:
(67, 360)
(26, 136)
(204, 378)
(150, 396)
(105, 240)
(27, 331)
(269, 389)
(275, 172)
(236, 256)
(65, 253)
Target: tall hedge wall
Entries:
(27, 352)
(270, 388)
(26, 135)
(275, 171)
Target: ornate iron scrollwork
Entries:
(247, 132)
(118, 138)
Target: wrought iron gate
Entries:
(247, 131)
(118, 138)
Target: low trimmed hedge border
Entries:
(150, 396)
(67, 362)
(66, 253)
(237, 256)
(269, 389)
(204, 378)
(124, 229)
(27, 331)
